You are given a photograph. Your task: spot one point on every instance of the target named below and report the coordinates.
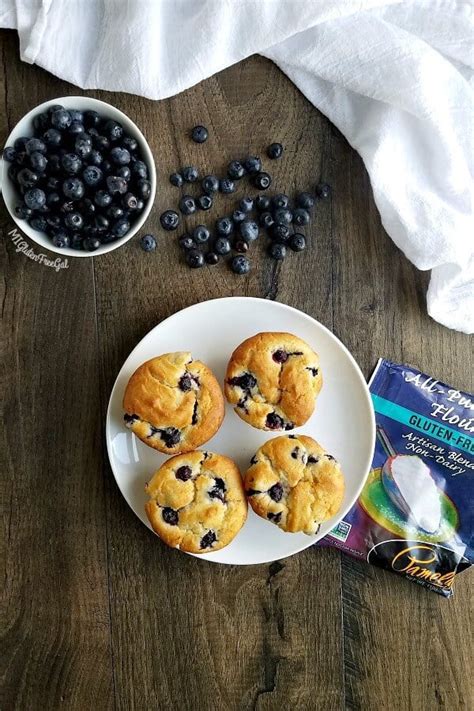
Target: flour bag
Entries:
(415, 515)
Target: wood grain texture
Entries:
(98, 613)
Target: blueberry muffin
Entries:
(197, 502)
(173, 403)
(273, 380)
(293, 482)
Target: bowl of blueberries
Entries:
(78, 176)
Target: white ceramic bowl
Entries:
(25, 128)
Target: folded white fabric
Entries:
(394, 77)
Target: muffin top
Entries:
(197, 502)
(273, 380)
(293, 482)
(173, 403)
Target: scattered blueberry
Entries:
(280, 200)
(301, 217)
(187, 205)
(210, 184)
(261, 181)
(238, 216)
(275, 150)
(169, 220)
(194, 258)
(253, 164)
(297, 242)
(222, 246)
(199, 134)
(280, 233)
(204, 202)
(201, 234)
(226, 186)
(187, 242)
(277, 251)
(246, 204)
(176, 179)
(190, 174)
(240, 264)
(283, 216)
(212, 258)
(248, 230)
(266, 220)
(148, 243)
(224, 226)
(323, 191)
(305, 200)
(235, 170)
(262, 203)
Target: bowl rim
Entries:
(82, 102)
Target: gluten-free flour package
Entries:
(415, 515)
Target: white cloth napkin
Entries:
(394, 77)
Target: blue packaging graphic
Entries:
(415, 515)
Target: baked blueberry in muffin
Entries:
(173, 403)
(294, 483)
(197, 502)
(273, 380)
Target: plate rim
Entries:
(332, 336)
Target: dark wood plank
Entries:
(405, 648)
(56, 648)
(241, 638)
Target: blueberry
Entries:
(222, 246)
(184, 473)
(107, 167)
(323, 191)
(38, 162)
(71, 163)
(247, 381)
(73, 188)
(212, 258)
(77, 241)
(204, 202)
(114, 212)
(116, 184)
(187, 205)
(35, 198)
(176, 179)
(54, 163)
(61, 119)
(74, 221)
(90, 244)
(253, 165)
(125, 173)
(35, 145)
(76, 128)
(190, 174)
(266, 220)
(297, 242)
(226, 186)
(148, 243)
(275, 517)
(9, 154)
(40, 122)
(92, 175)
(27, 178)
(305, 200)
(194, 258)
(241, 246)
(13, 172)
(113, 130)
(261, 181)
(224, 226)
(262, 203)
(130, 143)
(240, 264)
(101, 143)
(102, 198)
(91, 118)
(283, 216)
(201, 234)
(53, 221)
(280, 233)
(144, 189)
(199, 134)
(187, 242)
(210, 184)
(101, 223)
(121, 227)
(23, 212)
(20, 143)
(52, 200)
(61, 239)
(280, 356)
(140, 205)
(275, 150)
(130, 202)
(218, 490)
(238, 216)
(280, 200)
(77, 115)
(248, 230)
(277, 251)
(208, 540)
(92, 131)
(139, 170)
(275, 492)
(301, 217)
(235, 170)
(95, 158)
(120, 156)
(52, 137)
(274, 422)
(83, 145)
(39, 223)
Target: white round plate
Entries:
(343, 421)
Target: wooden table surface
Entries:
(98, 613)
